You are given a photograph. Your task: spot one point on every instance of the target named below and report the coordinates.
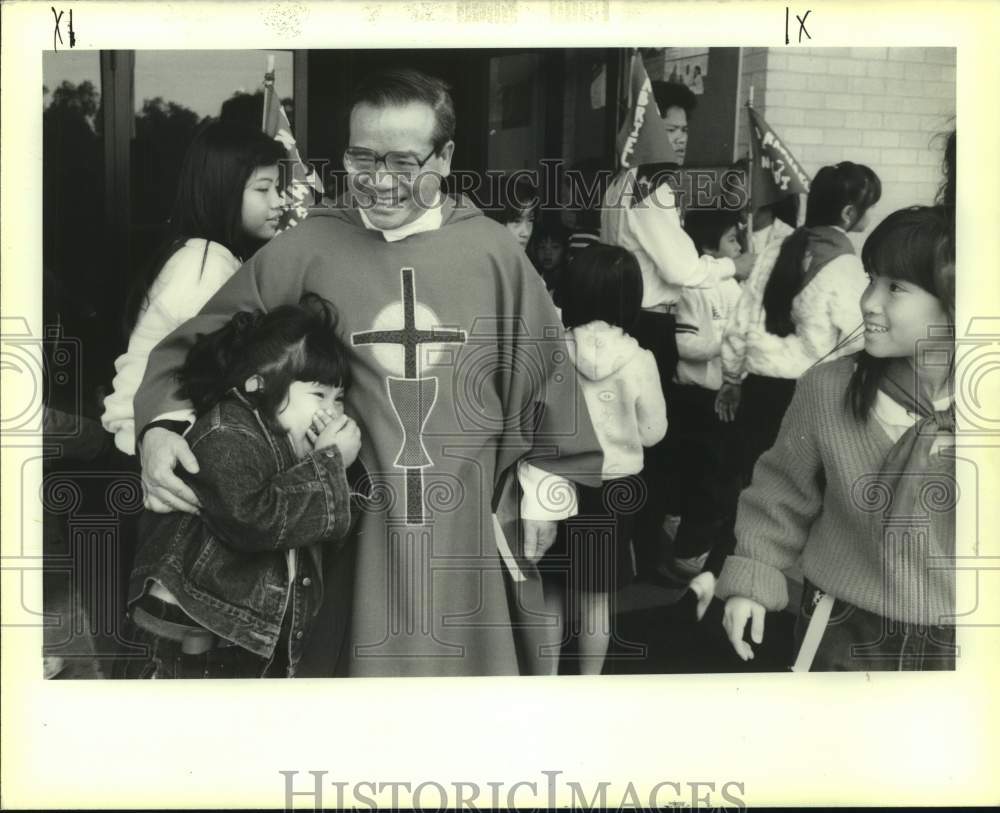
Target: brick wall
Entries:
(884, 107)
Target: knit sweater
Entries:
(621, 386)
(815, 493)
(824, 313)
(180, 290)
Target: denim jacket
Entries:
(228, 566)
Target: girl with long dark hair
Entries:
(809, 310)
(227, 206)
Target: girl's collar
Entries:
(890, 411)
(242, 398)
(283, 440)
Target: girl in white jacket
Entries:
(600, 294)
(227, 205)
(809, 311)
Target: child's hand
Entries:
(539, 535)
(727, 402)
(320, 421)
(738, 611)
(703, 587)
(744, 265)
(341, 432)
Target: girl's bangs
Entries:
(323, 363)
(903, 254)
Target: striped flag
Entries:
(774, 172)
(642, 138)
(301, 181)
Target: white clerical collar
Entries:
(428, 221)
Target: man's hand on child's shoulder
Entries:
(164, 491)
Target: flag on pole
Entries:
(642, 138)
(301, 180)
(774, 172)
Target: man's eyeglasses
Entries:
(359, 159)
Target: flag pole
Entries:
(268, 90)
(750, 168)
(632, 94)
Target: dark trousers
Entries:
(858, 640)
(166, 659)
(708, 479)
(763, 403)
(656, 332)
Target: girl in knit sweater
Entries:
(600, 294)
(805, 309)
(860, 482)
(227, 206)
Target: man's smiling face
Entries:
(398, 198)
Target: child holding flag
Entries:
(702, 445)
(644, 219)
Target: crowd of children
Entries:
(790, 386)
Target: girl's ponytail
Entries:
(290, 343)
(833, 188)
(783, 284)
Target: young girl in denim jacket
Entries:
(232, 591)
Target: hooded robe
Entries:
(459, 370)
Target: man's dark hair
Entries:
(402, 86)
(674, 94)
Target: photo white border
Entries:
(820, 739)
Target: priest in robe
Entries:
(473, 427)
